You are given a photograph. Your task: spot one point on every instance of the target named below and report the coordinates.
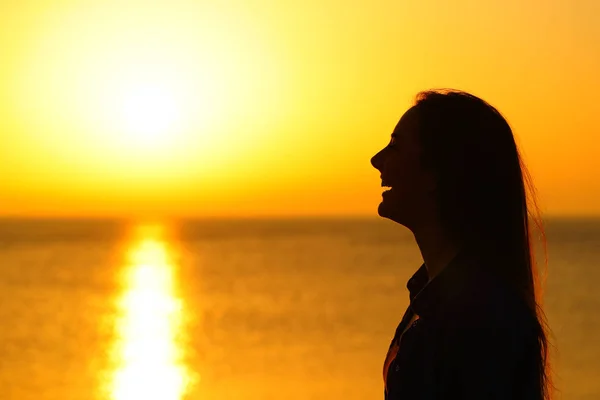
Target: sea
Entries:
(247, 309)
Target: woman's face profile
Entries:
(400, 166)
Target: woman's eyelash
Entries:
(392, 142)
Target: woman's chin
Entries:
(393, 212)
(384, 209)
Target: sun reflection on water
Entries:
(150, 358)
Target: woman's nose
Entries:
(376, 160)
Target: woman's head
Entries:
(453, 161)
(454, 155)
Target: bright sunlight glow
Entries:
(138, 101)
(148, 112)
(149, 357)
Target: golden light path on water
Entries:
(149, 355)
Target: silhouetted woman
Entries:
(474, 328)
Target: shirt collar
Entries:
(417, 281)
(427, 296)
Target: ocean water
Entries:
(248, 310)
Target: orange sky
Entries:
(272, 107)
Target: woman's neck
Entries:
(437, 249)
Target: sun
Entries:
(158, 97)
(149, 114)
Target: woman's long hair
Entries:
(485, 196)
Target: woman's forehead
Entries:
(407, 125)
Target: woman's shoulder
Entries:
(486, 300)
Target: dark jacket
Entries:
(474, 339)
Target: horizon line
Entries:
(157, 217)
